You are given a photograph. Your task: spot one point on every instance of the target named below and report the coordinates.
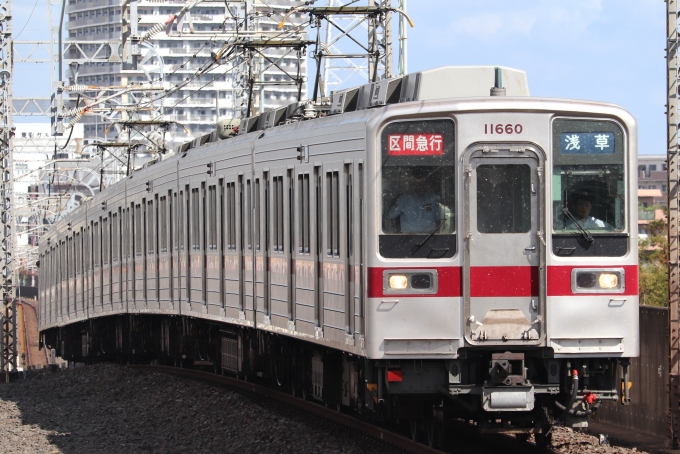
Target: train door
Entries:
(278, 250)
(260, 228)
(232, 250)
(248, 256)
(304, 266)
(163, 254)
(213, 250)
(504, 248)
(97, 266)
(106, 265)
(115, 259)
(337, 302)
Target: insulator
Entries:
(75, 120)
(73, 112)
(154, 31)
(79, 88)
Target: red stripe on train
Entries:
(499, 281)
(507, 281)
(559, 280)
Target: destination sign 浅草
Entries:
(587, 142)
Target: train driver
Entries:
(418, 210)
(581, 204)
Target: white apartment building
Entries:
(206, 98)
(652, 172)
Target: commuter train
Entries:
(435, 246)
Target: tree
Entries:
(653, 252)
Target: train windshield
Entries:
(418, 178)
(588, 180)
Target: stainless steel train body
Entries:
(281, 250)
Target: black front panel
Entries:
(406, 246)
(602, 246)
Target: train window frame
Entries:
(115, 237)
(79, 263)
(332, 188)
(212, 218)
(163, 224)
(392, 243)
(610, 239)
(256, 208)
(137, 225)
(230, 221)
(149, 227)
(248, 217)
(96, 250)
(303, 213)
(106, 241)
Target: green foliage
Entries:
(653, 253)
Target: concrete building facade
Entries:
(178, 56)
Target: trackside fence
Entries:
(649, 375)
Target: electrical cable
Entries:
(71, 131)
(27, 20)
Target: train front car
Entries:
(504, 267)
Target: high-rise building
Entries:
(172, 58)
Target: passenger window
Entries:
(150, 228)
(256, 226)
(231, 216)
(277, 208)
(212, 217)
(588, 176)
(97, 245)
(303, 222)
(248, 215)
(503, 198)
(138, 230)
(195, 220)
(106, 236)
(115, 237)
(333, 211)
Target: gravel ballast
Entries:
(110, 408)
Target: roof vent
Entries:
(410, 85)
(364, 96)
(344, 101)
(385, 92)
(248, 125)
(271, 118)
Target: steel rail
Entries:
(371, 430)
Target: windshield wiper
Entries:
(425, 240)
(584, 233)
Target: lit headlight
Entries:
(398, 281)
(608, 280)
(598, 280)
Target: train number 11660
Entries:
(490, 128)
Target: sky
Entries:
(603, 50)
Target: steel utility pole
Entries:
(8, 360)
(673, 251)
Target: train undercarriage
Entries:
(519, 392)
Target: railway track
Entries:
(495, 443)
